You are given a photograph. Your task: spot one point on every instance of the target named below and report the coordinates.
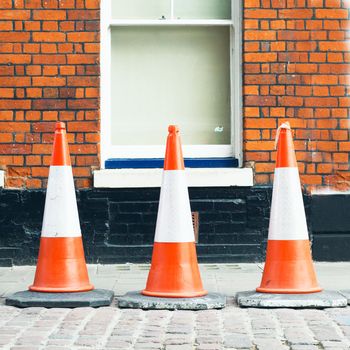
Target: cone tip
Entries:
(285, 125)
(60, 126)
(173, 129)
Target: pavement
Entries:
(228, 329)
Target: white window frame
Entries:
(108, 150)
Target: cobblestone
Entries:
(228, 329)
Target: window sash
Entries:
(234, 149)
(171, 9)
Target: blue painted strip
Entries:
(148, 163)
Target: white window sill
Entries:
(208, 177)
(2, 178)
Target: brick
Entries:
(83, 126)
(83, 149)
(6, 115)
(92, 138)
(40, 171)
(92, 92)
(81, 172)
(327, 146)
(14, 37)
(251, 90)
(50, 115)
(48, 81)
(260, 57)
(293, 35)
(340, 135)
(341, 157)
(33, 70)
(33, 183)
(5, 70)
(50, 26)
(82, 81)
(331, 13)
(83, 104)
(325, 168)
(16, 104)
(337, 90)
(31, 48)
(42, 149)
(50, 70)
(83, 14)
(257, 35)
(49, 37)
(295, 13)
(257, 156)
(49, 15)
(14, 182)
(333, 46)
(6, 138)
(260, 145)
(260, 79)
(260, 13)
(15, 148)
(32, 4)
(83, 37)
(82, 59)
(66, 4)
(252, 3)
(251, 24)
(259, 123)
(14, 14)
(51, 104)
(48, 48)
(6, 93)
(326, 102)
(324, 79)
(6, 25)
(33, 160)
(49, 59)
(34, 92)
(291, 101)
(50, 92)
(6, 4)
(260, 100)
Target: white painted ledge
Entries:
(196, 177)
(2, 178)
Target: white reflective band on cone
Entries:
(61, 217)
(174, 221)
(287, 219)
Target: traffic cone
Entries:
(174, 270)
(288, 268)
(61, 263)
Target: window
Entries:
(170, 62)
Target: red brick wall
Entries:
(296, 66)
(49, 70)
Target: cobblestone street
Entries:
(231, 328)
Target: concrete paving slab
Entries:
(94, 298)
(135, 300)
(321, 300)
(346, 294)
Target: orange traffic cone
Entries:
(61, 263)
(174, 271)
(288, 267)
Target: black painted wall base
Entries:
(330, 222)
(118, 225)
